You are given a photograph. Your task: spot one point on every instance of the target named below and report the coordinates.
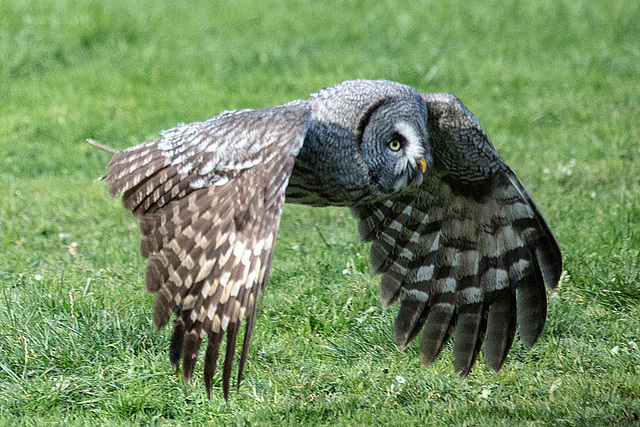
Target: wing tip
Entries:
(190, 350)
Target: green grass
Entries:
(556, 85)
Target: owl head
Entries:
(371, 134)
(394, 142)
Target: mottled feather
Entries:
(209, 218)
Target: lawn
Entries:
(556, 86)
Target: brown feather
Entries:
(232, 334)
(208, 238)
(211, 359)
(190, 349)
(175, 349)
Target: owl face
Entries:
(395, 143)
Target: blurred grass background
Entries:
(555, 84)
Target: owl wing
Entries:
(468, 250)
(210, 196)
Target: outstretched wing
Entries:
(210, 196)
(468, 250)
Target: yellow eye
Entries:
(395, 144)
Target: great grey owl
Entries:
(456, 237)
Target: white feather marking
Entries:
(236, 288)
(177, 299)
(255, 274)
(257, 248)
(186, 168)
(378, 214)
(268, 241)
(248, 163)
(436, 243)
(175, 247)
(446, 305)
(245, 273)
(225, 322)
(250, 277)
(222, 180)
(211, 311)
(205, 289)
(425, 273)
(232, 238)
(397, 268)
(262, 272)
(416, 295)
(386, 238)
(517, 269)
(406, 253)
(215, 323)
(208, 167)
(224, 278)
(395, 225)
(246, 257)
(205, 268)
(469, 295)
(414, 148)
(445, 285)
(188, 282)
(494, 279)
(177, 160)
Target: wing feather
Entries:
(479, 254)
(210, 196)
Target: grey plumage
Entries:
(455, 236)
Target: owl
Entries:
(454, 235)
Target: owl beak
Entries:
(423, 164)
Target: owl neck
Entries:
(329, 170)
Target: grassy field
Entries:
(556, 85)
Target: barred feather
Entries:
(468, 251)
(209, 219)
